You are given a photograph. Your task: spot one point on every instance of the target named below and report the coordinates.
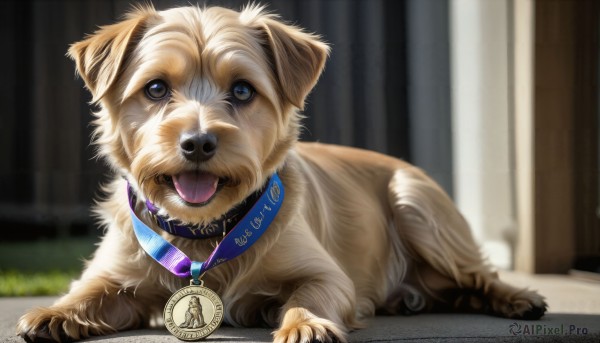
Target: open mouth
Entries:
(196, 188)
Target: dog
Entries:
(198, 109)
(193, 315)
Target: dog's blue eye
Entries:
(242, 91)
(156, 90)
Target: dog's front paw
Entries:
(299, 325)
(42, 325)
(53, 325)
(524, 304)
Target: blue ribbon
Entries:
(236, 242)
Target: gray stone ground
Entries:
(554, 327)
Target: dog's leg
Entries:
(188, 320)
(448, 263)
(113, 294)
(96, 306)
(321, 306)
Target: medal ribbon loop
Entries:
(236, 242)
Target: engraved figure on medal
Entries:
(193, 316)
(192, 313)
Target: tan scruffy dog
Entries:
(198, 108)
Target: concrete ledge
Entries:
(553, 327)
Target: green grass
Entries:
(44, 267)
(15, 283)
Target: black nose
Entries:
(198, 147)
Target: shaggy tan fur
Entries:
(358, 232)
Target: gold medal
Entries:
(193, 312)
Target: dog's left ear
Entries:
(99, 58)
(299, 58)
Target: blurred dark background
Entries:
(49, 175)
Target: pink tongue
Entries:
(195, 187)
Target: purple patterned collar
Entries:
(219, 227)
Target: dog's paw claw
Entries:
(525, 304)
(40, 326)
(330, 337)
(42, 335)
(535, 312)
(300, 325)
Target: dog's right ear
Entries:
(299, 57)
(99, 58)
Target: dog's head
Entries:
(194, 301)
(198, 106)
